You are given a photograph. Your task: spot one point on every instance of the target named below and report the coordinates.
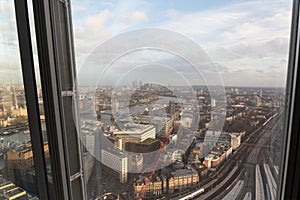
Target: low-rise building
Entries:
(148, 186)
(9, 191)
(217, 155)
(19, 165)
(183, 178)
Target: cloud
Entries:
(202, 25)
(172, 14)
(94, 28)
(108, 4)
(138, 16)
(95, 24)
(133, 18)
(262, 29)
(6, 5)
(242, 42)
(76, 8)
(276, 46)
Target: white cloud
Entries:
(246, 43)
(262, 29)
(107, 4)
(173, 14)
(138, 16)
(101, 26)
(77, 8)
(236, 37)
(132, 19)
(96, 24)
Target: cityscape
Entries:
(171, 100)
(192, 160)
(17, 174)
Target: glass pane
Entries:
(193, 106)
(17, 179)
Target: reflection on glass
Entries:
(17, 173)
(215, 134)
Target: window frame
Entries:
(289, 183)
(30, 88)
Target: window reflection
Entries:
(17, 173)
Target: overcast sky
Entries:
(247, 40)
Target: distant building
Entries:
(19, 165)
(212, 161)
(235, 140)
(212, 136)
(116, 163)
(217, 155)
(172, 156)
(108, 196)
(173, 107)
(9, 191)
(148, 186)
(257, 101)
(134, 133)
(163, 125)
(201, 169)
(142, 119)
(148, 145)
(182, 179)
(18, 112)
(213, 102)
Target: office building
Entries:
(115, 163)
(134, 133)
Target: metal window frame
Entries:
(289, 184)
(66, 72)
(28, 72)
(68, 180)
(47, 64)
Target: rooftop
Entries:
(184, 172)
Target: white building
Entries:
(117, 162)
(134, 133)
(235, 140)
(257, 101)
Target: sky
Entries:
(246, 41)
